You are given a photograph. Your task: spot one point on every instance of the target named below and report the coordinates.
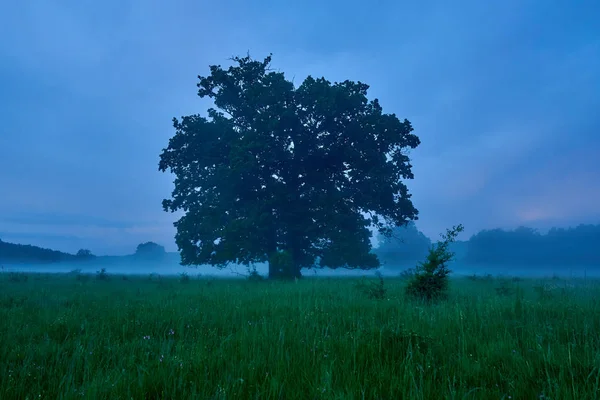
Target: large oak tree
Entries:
(274, 169)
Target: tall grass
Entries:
(64, 337)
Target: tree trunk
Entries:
(277, 272)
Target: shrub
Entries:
(407, 274)
(102, 275)
(505, 289)
(254, 276)
(79, 275)
(184, 277)
(373, 290)
(430, 279)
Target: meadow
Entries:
(74, 336)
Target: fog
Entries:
(240, 271)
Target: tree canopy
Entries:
(85, 254)
(150, 251)
(406, 245)
(277, 168)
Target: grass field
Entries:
(64, 336)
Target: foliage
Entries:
(79, 275)
(408, 274)
(150, 251)
(406, 244)
(373, 290)
(281, 168)
(526, 246)
(430, 280)
(184, 277)
(485, 278)
(254, 275)
(102, 275)
(20, 253)
(85, 254)
(505, 289)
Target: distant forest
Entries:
(571, 246)
(25, 254)
(522, 246)
(12, 253)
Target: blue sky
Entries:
(505, 97)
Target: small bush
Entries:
(79, 275)
(184, 277)
(479, 278)
(430, 280)
(154, 277)
(373, 290)
(254, 276)
(407, 274)
(102, 275)
(505, 289)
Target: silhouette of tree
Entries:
(406, 245)
(150, 251)
(302, 171)
(85, 254)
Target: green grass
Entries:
(63, 338)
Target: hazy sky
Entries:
(505, 96)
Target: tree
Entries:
(150, 250)
(277, 169)
(406, 245)
(84, 254)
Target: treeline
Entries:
(24, 253)
(406, 247)
(571, 246)
(13, 253)
(579, 245)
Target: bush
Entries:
(79, 275)
(430, 279)
(254, 276)
(102, 275)
(407, 274)
(505, 289)
(373, 290)
(184, 277)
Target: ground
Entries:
(114, 337)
